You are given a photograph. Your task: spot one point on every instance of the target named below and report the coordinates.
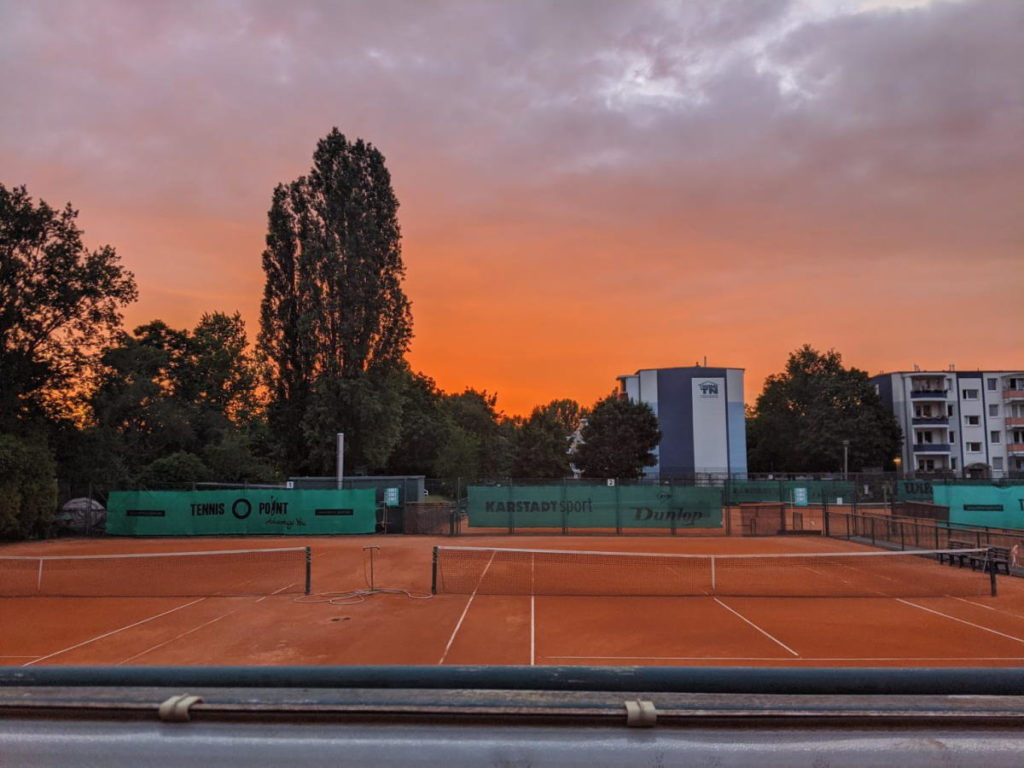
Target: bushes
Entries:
(28, 488)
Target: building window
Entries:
(952, 463)
(974, 447)
(993, 410)
(970, 394)
(972, 421)
(993, 436)
(926, 465)
(992, 385)
(949, 410)
(952, 437)
(997, 462)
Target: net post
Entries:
(433, 573)
(309, 570)
(991, 572)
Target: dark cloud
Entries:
(763, 134)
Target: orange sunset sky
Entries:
(586, 188)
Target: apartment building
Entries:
(959, 423)
(700, 414)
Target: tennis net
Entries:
(224, 573)
(916, 573)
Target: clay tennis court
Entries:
(475, 627)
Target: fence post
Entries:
(872, 531)
(309, 570)
(511, 508)
(564, 511)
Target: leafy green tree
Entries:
(367, 408)
(541, 443)
(174, 471)
(618, 438)
(333, 307)
(135, 405)
(805, 413)
(237, 458)
(426, 428)
(164, 391)
(28, 488)
(221, 374)
(59, 304)
(483, 438)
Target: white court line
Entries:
(533, 610)
(802, 658)
(962, 621)
(200, 626)
(112, 632)
(533, 631)
(465, 610)
(744, 618)
(989, 607)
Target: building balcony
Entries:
(939, 421)
(1014, 421)
(932, 394)
(1015, 449)
(931, 448)
(1012, 395)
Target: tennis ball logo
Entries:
(241, 508)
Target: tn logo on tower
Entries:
(708, 389)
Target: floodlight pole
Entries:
(846, 457)
(341, 459)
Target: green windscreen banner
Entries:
(625, 506)
(240, 512)
(814, 492)
(985, 505)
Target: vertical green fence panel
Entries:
(982, 505)
(818, 491)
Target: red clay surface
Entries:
(500, 629)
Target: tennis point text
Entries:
(219, 508)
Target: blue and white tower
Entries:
(701, 415)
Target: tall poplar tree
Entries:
(335, 323)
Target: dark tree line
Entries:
(83, 400)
